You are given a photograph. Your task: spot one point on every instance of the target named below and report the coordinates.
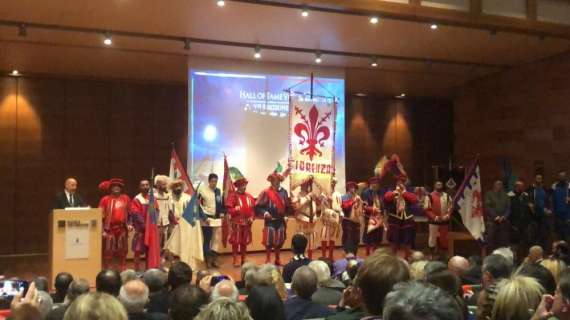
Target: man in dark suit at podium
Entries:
(69, 197)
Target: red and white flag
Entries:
(469, 201)
(177, 171)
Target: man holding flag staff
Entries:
(213, 208)
(240, 206)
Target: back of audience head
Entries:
(42, 283)
(61, 283)
(445, 280)
(434, 266)
(224, 309)
(321, 269)
(416, 256)
(77, 288)
(180, 273)
(270, 272)
(155, 279)
(304, 282)
(517, 298)
(507, 253)
(376, 277)
(299, 244)
(108, 281)
(495, 267)
(458, 265)
(134, 296)
(96, 305)
(128, 275)
(45, 303)
(417, 270)
(555, 267)
(561, 303)
(245, 268)
(186, 302)
(535, 254)
(201, 274)
(329, 264)
(225, 289)
(416, 300)
(561, 251)
(540, 274)
(264, 303)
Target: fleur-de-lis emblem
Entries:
(477, 205)
(312, 132)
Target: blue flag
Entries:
(193, 210)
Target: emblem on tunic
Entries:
(477, 206)
(312, 132)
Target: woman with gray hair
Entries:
(96, 305)
(329, 290)
(224, 309)
(418, 300)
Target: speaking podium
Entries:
(75, 243)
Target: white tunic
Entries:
(163, 202)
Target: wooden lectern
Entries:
(75, 243)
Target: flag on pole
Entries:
(193, 211)
(177, 171)
(227, 188)
(151, 239)
(469, 201)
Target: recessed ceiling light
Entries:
(318, 58)
(23, 30)
(15, 73)
(433, 26)
(374, 19)
(401, 96)
(108, 41)
(360, 94)
(374, 62)
(221, 3)
(305, 13)
(257, 53)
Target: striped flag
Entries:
(177, 171)
(469, 201)
(193, 211)
(151, 239)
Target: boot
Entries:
(243, 252)
(331, 250)
(324, 248)
(268, 255)
(215, 260)
(277, 259)
(310, 254)
(235, 255)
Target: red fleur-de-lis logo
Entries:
(312, 132)
(477, 205)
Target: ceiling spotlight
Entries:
(107, 41)
(23, 30)
(401, 96)
(305, 13)
(186, 44)
(318, 58)
(374, 20)
(374, 62)
(433, 26)
(257, 53)
(15, 73)
(221, 3)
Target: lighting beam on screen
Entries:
(229, 75)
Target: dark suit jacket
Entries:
(298, 309)
(61, 201)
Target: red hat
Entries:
(116, 181)
(275, 176)
(351, 184)
(240, 182)
(374, 180)
(105, 186)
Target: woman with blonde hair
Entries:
(555, 267)
(224, 309)
(276, 279)
(517, 298)
(96, 305)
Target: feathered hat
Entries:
(277, 175)
(237, 177)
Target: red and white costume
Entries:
(115, 237)
(137, 219)
(331, 213)
(240, 207)
(306, 216)
(438, 215)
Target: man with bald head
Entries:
(459, 266)
(300, 306)
(69, 198)
(225, 289)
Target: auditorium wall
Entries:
(521, 115)
(419, 130)
(53, 128)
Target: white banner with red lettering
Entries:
(311, 141)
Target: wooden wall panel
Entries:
(52, 128)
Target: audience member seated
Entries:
(156, 280)
(300, 306)
(244, 269)
(473, 275)
(42, 284)
(108, 281)
(561, 251)
(225, 289)
(495, 268)
(507, 253)
(417, 270)
(45, 304)
(376, 277)
(535, 255)
(201, 274)
(264, 303)
(416, 300)
(341, 265)
(276, 279)
(329, 290)
(128, 275)
(224, 309)
(540, 274)
(298, 246)
(186, 302)
(459, 266)
(416, 256)
(179, 274)
(61, 283)
(76, 289)
(255, 277)
(434, 266)
(517, 298)
(450, 283)
(134, 297)
(557, 306)
(96, 305)
(555, 267)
